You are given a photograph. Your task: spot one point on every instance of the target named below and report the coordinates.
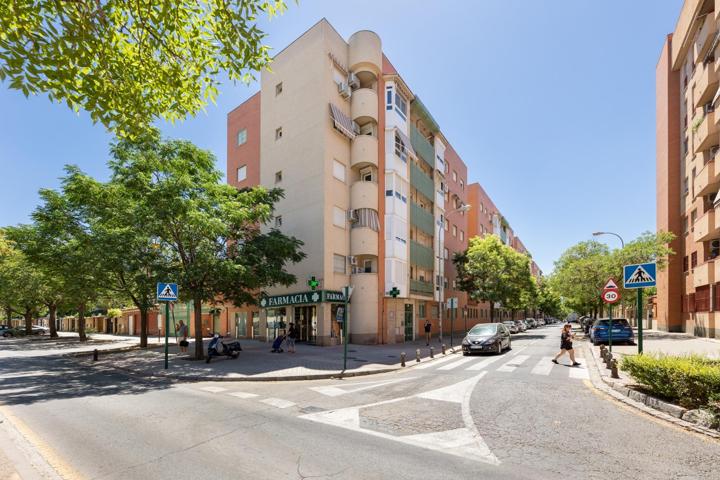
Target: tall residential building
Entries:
(372, 187)
(688, 177)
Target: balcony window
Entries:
(242, 136)
(242, 173)
(401, 105)
(400, 148)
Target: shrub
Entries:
(690, 381)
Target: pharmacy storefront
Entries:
(318, 315)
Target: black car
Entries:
(486, 337)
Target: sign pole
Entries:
(347, 325)
(167, 327)
(610, 328)
(640, 319)
(452, 324)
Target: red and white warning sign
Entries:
(610, 293)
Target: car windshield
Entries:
(486, 329)
(617, 322)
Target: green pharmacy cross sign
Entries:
(394, 292)
(312, 283)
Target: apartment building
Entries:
(688, 178)
(372, 187)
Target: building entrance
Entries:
(305, 319)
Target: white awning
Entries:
(342, 122)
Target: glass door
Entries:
(408, 322)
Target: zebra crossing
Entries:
(508, 364)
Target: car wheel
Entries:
(499, 347)
(465, 354)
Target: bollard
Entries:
(608, 359)
(614, 369)
(95, 355)
(417, 355)
(602, 351)
(432, 352)
(402, 359)
(443, 349)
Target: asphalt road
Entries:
(513, 416)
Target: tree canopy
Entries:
(129, 63)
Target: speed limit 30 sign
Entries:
(610, 293)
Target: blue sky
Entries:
(550, 103)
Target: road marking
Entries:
(277, 402)
(452, 365)
(543, 367)
(484, 363)
(464, 442)
(213, 389)
(434, 362)
(580, 372)
(243, 394)
(513, 364)
(337, 390)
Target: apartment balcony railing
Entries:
(706, 133)
(421, 255)
(422, 219)
(421, 181)
(422, 147)
(704, 39)
(705, 227)
(706, 81)
(420, 287)
(364, 151)
(706, 180)
(704, 274)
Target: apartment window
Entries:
(454, 230)
(278, 221)
(339, 216)
(339, 170)
(447, 225)
(446, 253)
(338, 263)
(242, 136)
(400, 148)
(454, 284)
(401, 105)
(454, 176)
(366, 175)
(278, 133)
(388, 98)
(421, 310)
(367, 266)
(686, 223)
(686, 190)
(462, 236)
(242, 173)
(462, 185)
(278, 176)
(278, 89)
(685, 146)
(693, 260)
(693, 217)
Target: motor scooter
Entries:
(218, 348)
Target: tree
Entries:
(21, 284)
(212, 233)
(490, 271)
(128, 63)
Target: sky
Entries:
(551, 104)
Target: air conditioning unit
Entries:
(344, 90)
(352, 216)
(715, 244)
(353, 81)
(352, 260)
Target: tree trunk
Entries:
(143, 327)
(52, 319)
(81, 323)
(197, 313)
(492, 312)
(8, 314)
(28, 321)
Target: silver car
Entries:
(512, 326)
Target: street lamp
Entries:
(597, 234)
(441, 266)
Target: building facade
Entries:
(688, 179)
(372, 187)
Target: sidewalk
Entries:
(256, 363)
(655, 341)
(67, 343)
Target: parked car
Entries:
(20, 331)
(540, 322)
(531, 323)
(3, 328)
(486, 337)
(522, 326)
(621, 331)
(512, 326)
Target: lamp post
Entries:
(441, 266)
(622, 242)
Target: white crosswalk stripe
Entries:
(513, 364)
(543, 367)
(243, 394)
(277, 402)
(452, 365)
(434, 362)
(580, 372)
(213, 389)
(484, 363)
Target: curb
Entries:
(646, 403)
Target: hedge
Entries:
(690, 381)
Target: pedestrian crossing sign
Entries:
(167, 292)
(640, 275)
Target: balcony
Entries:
(421, 255)
(419, 287)
(364, 151)
(365, 281)
(705, 228)
(706, 81)
(705, 38)
(363, 241)
(422, 147)
(365, 52)
(364, 195)
(706, 180)
(706, 133)
(422, 219)
(421, 181)
(704, 274)
(364, 105)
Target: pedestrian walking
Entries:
(291, 336)
(182, 333)
(428, 334)
(566, 345)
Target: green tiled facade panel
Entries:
(421, 288)
(422, 147)
(422, 182)
(421, 256)
(422, 219)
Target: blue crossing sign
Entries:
(167, 292)
(639, 275)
